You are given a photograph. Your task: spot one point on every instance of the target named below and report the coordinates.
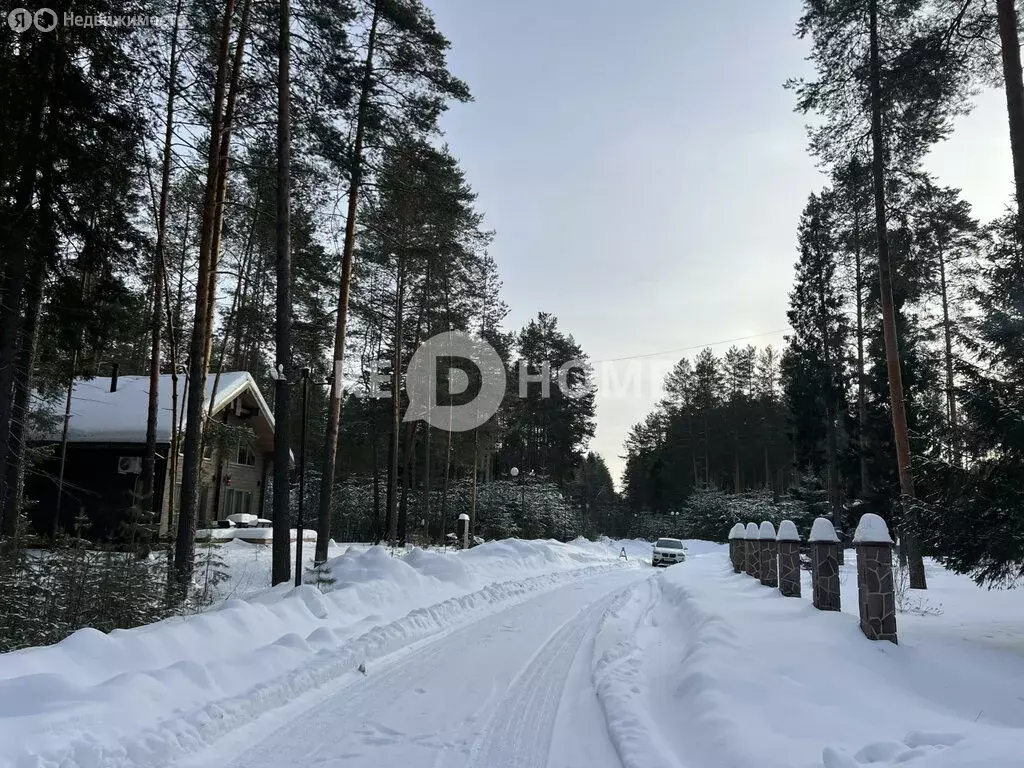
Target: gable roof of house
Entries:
(101, 416)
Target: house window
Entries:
(245, 455)
(237, 502)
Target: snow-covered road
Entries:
(512, 689)
(529, 653)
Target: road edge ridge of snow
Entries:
(186, 733)
(617, 675)
(705, 635)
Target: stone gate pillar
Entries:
(825, 565)
(462, 531)
(876, 591)
(736, 544)
(750, 550)
(789, 559)
(769, 563)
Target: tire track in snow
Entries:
(430, 706)
(519, 733)
(619, 679)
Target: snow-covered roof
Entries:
(823, 530)
(101, 416)
(871, 530)
(766, 532)
(738, 531)
(788, 531)
(751, 531)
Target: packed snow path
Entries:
(512, 689)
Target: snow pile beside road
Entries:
(145, 696)
(709, 668)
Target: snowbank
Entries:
(705, 667)
(146, 696)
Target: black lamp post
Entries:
(300, 524)
(522, 490)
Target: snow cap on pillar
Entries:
(787, 531)
(751, 531)
(823, 531)
(738, 531)
(766, 532)
(871, 530)
(463, 516)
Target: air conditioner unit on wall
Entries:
(129, 465)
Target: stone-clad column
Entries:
(769, 564)
(825, 565)
(875, 588)
(462, 531)
(789, 559)
(750, 551)
(736, 543)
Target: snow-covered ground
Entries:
(707, 668)
(145, 696)
(527, 654)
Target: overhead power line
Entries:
(695, 346)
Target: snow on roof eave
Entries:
(237, 387)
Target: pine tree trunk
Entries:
(892, 353)
(862, 403)
(173, 320)
(376, 489)
(409, 452)
(707, 462)
(232, 318)
(43, 251)
(341, 322)
(1006, 11)
(281, 560)
(831, 410)
(30, 147)
(426, 478)
(389, 491)
(184, 550)
(25, 366)
(407, 472)
(476, 466)
(767, 471)
(222, 175)
(947, 332)
(396, 407)
(156, 327)
(693, 448)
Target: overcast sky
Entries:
(644, 170)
